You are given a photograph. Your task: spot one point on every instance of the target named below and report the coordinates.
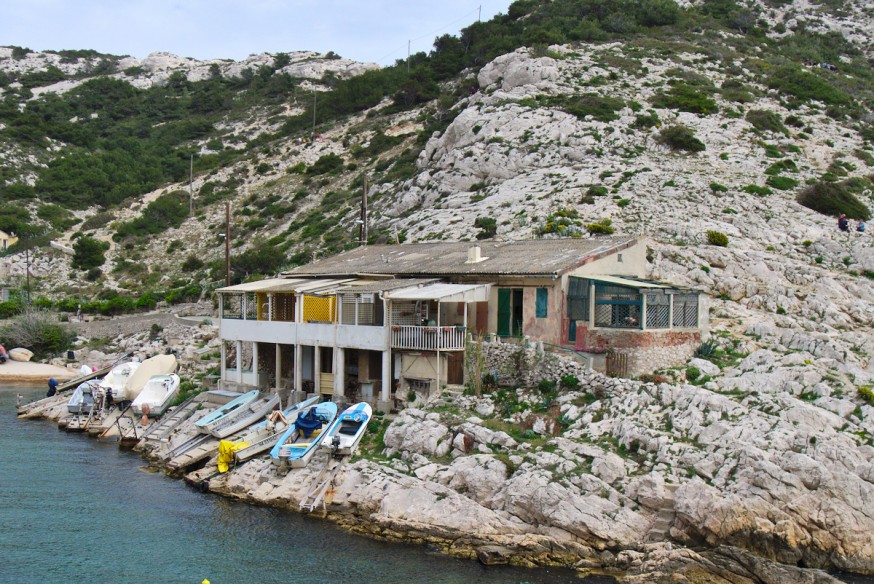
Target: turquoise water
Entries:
(73, 509)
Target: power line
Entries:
(431, 34)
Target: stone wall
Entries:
(527, 364)
(647, 350)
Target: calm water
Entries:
(73, 509)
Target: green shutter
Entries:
(504, 312)
(542, 302)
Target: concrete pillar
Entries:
(224, 356)
(298, 367)
(317, 368)
(239, 362)
(278, 363)
(385, 403)
(643, 312)
(339, 373)
(255, 364)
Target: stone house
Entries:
(381, 321)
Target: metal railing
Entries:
(428, 338)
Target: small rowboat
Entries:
(262, 437)
(208, 422)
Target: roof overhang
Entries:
(619, 281)
(443, 293)
(307, 285)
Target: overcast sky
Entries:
(366, 30)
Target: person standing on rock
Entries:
(843, 223)
(53, 387)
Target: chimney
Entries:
(474, 255)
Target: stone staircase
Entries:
(661, 529)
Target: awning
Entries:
(271, 285)
(627, 282)
(443, 293)
(287, 285)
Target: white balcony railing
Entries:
(428, 338)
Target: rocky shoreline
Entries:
(642, 481)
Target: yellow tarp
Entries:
(226, 453)
(319, 308)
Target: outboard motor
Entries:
(335, 445)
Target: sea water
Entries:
(73, 509)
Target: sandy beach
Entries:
(29, 373)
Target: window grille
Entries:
(232, 306)
(685, 311)
(251, 307)
(409, 313)
(578, 299)
(617, 306)
(658, 310)
(283, 307)
(365, 306)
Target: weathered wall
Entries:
(647, 350)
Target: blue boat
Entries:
(343, 436)
(263, 435)
(208, 422)
(299, 442)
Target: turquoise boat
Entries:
(208, 422)
(262, 436)
(299, 442)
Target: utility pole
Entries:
(362, 237)
(191, 188)
(314, 114)
(227, 244)
(408, 56)
(27, 271)
(479, 13)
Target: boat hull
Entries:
(344, 435)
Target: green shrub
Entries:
(717, 238)
(601, 227)
(88, 253)
(488, 227)
(692, 373)
(38, 331)
(680, 138)
(782, 183)
(646, 121)
(833, 198)
(569, 383)
(864, 393)
(766, 121)
(718, 188)
(601, 108)
(329, 163)
(757, 190)
(165, 212)
(686, 98)
(785, 165)
(793, 80)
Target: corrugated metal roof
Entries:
(537, 257)
(444, 293)
(272, 285)
(385, 285)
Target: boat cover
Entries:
(308, 422)
(226, 452)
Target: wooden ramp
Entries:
(160, 432)
(321, 485)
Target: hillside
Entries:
(565, 118)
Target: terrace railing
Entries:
(428, 338)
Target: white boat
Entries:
(156, 395)
(244, 416)
(346, 432)
(208, 422)
(157, 365)
(264, 435)
(83, 398)
(116, 379)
